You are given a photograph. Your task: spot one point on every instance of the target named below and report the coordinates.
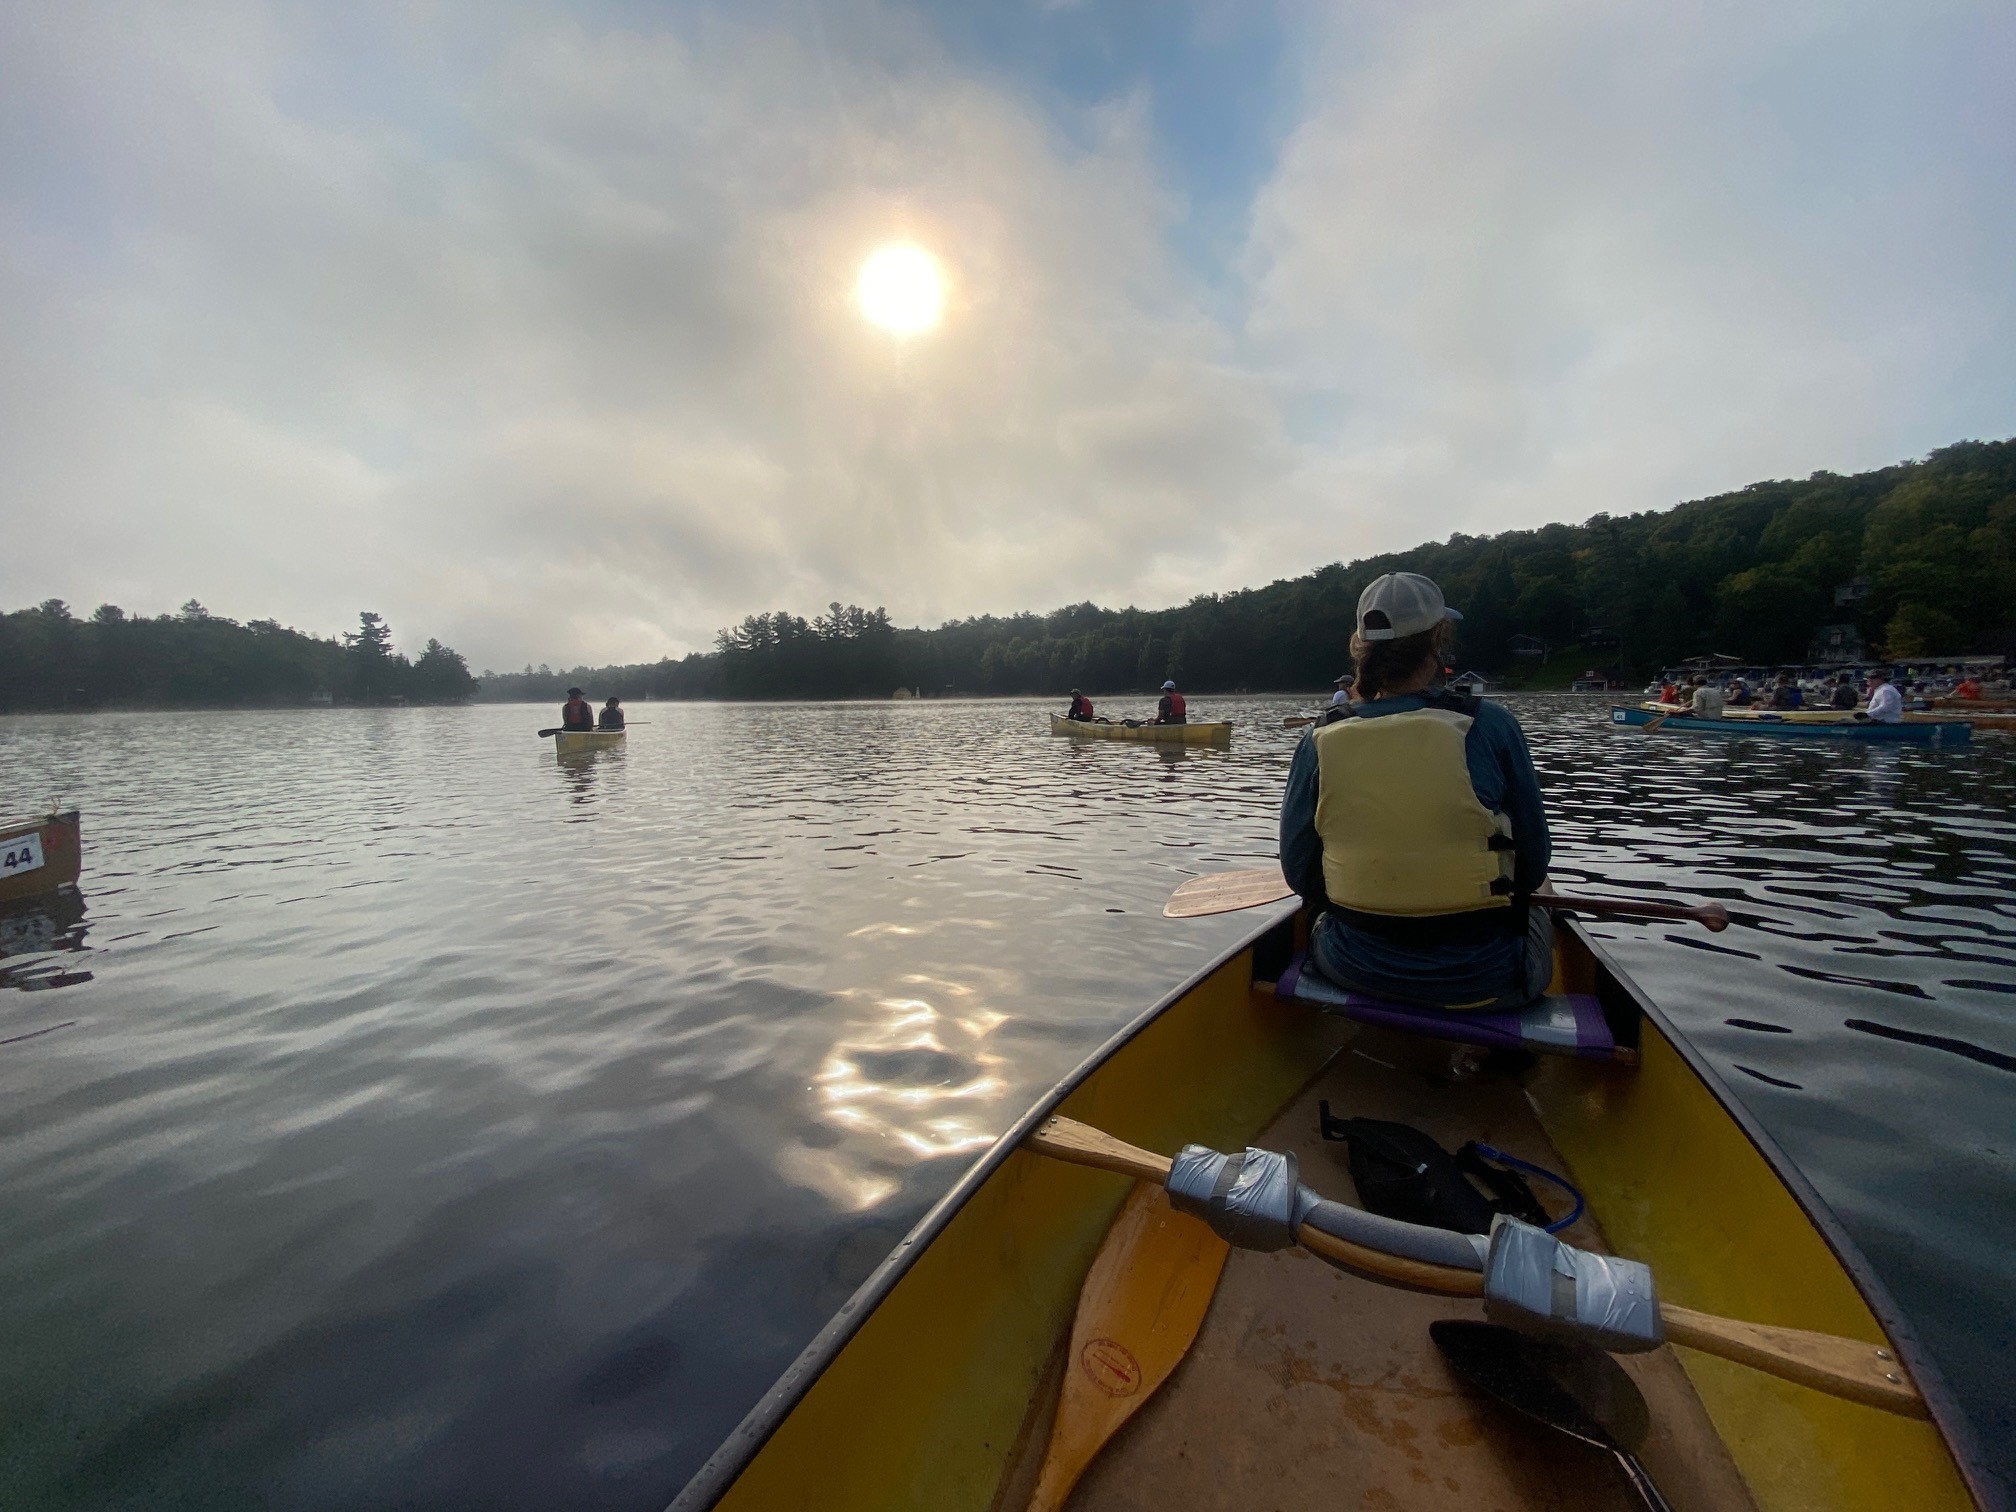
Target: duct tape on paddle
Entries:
(1534, 1282)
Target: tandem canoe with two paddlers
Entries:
(1217, 733)
(40, 855)
(1936, 733)
(990, 1363)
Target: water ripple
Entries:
(406, 1118)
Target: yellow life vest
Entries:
(1402, 830)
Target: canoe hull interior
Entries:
(61, 846)
(1203, 734)
(576, 742)
(924, 1392)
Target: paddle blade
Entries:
(1525, 1374)
(1138, 1313)
(554, 731)
(1226, 892)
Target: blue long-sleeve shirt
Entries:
(1501, 774)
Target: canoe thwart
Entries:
(1081, 1144)
(1852, 1368)
(1845, 1368)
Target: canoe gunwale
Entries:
(714, 1477)
(1947, 1415)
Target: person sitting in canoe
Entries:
(1886, 704)
(1704, 699)
(1340, 706)
(1967, 688)
(1740, 696)
(1172, 709)
(1844, 695)
(1081, 707)
(612, 715)
(1785, 694)
(1417, 827)
(576, 713)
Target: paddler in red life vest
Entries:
(576, 714)
(1417, 827)
(1081, 707)
(1172, 709)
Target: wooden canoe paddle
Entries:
(1229, 892)
(1847, 1368)
(1138, 1312)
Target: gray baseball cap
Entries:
(1410, 602)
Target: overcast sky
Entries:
(532, 326)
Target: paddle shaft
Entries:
(1230, 892)
(1846, 1368)
(1710, 916)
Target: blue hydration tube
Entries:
(1490, 1153)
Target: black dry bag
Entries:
(1402, 1173)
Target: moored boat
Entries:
(2000, 722)
(575, 742)
(1218, 733)
(1809, 724)
(938, 1384)
(40, 855)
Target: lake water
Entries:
(411, 1119)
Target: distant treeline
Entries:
(50, 659)
(1916, 560)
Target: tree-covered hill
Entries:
(1915, 560)
(50, 659)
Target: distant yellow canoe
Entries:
(574, 742)
(1219, 734)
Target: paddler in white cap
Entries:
(1417, 828)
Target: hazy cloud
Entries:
(531, 326)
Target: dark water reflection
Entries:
(424, 1121)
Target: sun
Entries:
(901, 289)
